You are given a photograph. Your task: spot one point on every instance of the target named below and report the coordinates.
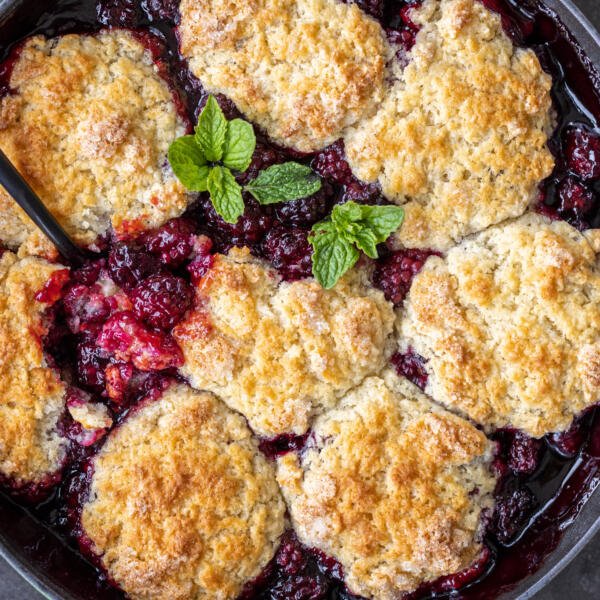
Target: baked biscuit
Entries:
(391, 486)
(281, 352)
(182, 504)
(31, 394)
(89, 125)
(460, 139)
(509, 323)
(303, 70)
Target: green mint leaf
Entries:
(285, 182)
(225, 194)
(211, 130)
(332, 255)
(344, 215)
(240, 142)
(382, 220)
(366, 241)
(189, 163)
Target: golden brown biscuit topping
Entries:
(89, 126)
(281, 352)
(392, 487)
(303, 70)
(31, 394)
(460, 139)
(509, 322)
(182, 504)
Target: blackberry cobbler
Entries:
(338, 334)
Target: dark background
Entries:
(579, 581)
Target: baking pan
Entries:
(60, 573)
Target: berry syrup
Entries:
(116, 349)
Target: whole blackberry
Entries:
(514, 508)
(173, 242)
(289, 252)
(161, 300)
(305, 212)
(129, 264)
(331, 164)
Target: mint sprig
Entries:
(211, 130)
(205, 162)
(336, 241)
(285, 182)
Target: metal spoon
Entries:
(29, 201)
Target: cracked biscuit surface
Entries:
(392, 486)
(182, 504)
(301, 69)
(281, 352)
(460, 139)
(31, 394)
(88, 124)
(509, 323)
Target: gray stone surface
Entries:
(579, 581)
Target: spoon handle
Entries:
(28, 200)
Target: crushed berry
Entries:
(117, 13)
(117, 378)
(85, 305)
(200, 266)
(331, 164)
(569, 442)
(363, 193)
(89, 273)
(282, 444)
(289, 252)
(514, 508)
(126, 339)
(91, 361)
(412, 366)
(575, 198)
(394, 273)
(128, 265)
(202, 260)
(298, 587)
(291, 557)
(403, 30)
(53, 288)
(161, 300)
(305, 212)
(405, 38)
(165, 10)
(582, 149)
(172, 243)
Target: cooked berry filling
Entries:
(111, 321)
(394, 273)
(411, 366)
